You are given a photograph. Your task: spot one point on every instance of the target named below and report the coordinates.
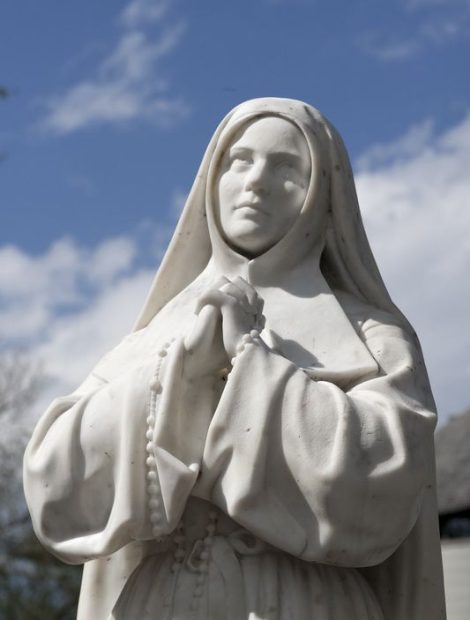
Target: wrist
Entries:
(247, 340)
(196, 367)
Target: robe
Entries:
(305, 485)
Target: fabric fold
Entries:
(285, 454)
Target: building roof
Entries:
(453, 464)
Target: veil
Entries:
(347, 262)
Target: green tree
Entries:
(33, 584)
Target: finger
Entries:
(204, 329)
(234, 291)
(214, 297)
(248, 289)
(251, 293)
(220, 282)
(217, 284)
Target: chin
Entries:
(250, 247)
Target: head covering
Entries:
(346, 262)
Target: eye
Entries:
(241, 158)
(286, 169)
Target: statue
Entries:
(261, 445)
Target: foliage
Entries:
(33, 584)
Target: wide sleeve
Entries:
(328, 475)
(102, 470)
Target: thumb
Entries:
(204, 329)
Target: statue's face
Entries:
(263, 184)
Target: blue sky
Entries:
(112, 105)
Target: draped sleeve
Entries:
(86, 468)
(329, 475)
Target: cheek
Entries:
(294, 196)
(227, 191)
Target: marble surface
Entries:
(261, 445)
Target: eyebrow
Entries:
(287, 155)
(277, 155)
(234, 149)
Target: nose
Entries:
(256, 179)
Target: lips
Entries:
(253, 206)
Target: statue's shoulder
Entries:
(127, 354)
(368, 320)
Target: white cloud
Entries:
(139, 12)
(376, 45)
(428, 23)
(412, 143)
(75, 342)
(34, 290)
(68, 306)
(415, 198)
(128, 84)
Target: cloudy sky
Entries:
(111, 105)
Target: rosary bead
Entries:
(155, 386)
(155, 503)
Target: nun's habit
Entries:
(300, 486)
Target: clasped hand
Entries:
(224, 314)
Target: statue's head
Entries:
(266, 194)
(262, 183)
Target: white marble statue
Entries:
(261, 446)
